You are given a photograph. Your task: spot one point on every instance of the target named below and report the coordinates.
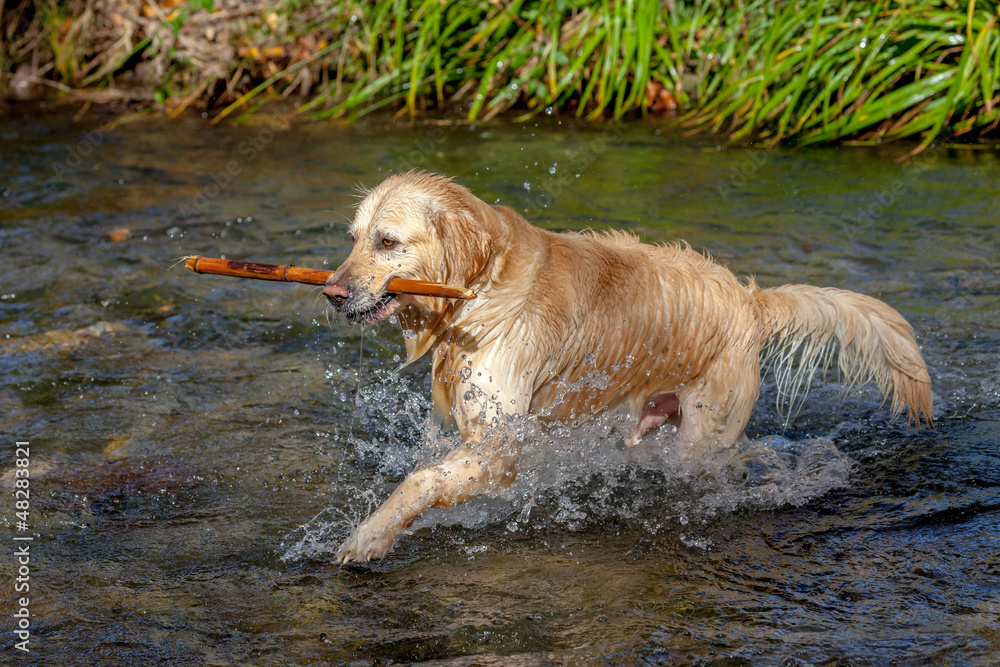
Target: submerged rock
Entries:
(62, 341)
(150, 474)
(37, 469)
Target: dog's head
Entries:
(414, 225)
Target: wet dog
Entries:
(568, 325)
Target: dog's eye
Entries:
(388, 243)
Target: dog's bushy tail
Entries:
(805, 326)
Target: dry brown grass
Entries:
(808, 70)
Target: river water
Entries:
(200, 444)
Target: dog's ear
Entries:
(467, 244)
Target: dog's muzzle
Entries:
(359, 305)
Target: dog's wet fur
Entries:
(568, 325)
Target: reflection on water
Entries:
(200, 444)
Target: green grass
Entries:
(807, 72)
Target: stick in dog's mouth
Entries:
(295, 274)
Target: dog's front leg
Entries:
(465, 473)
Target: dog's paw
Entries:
(363, 546)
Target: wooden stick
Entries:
(295, 274)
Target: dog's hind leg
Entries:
(716, 409)
(656, 411)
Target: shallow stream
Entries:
(200, 444)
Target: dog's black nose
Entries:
(336, 293)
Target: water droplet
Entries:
(409, 333)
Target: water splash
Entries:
(577, 477)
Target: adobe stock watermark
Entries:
(747, 168)
(971, 289)
(259, 326)
(423, 150)
(117, 286)
(248, 150)
(22, 546)
(866, 216)
(430, 144)
(542, 196)
(78, 152)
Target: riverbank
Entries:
(809, 72)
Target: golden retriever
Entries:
(568, 325)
